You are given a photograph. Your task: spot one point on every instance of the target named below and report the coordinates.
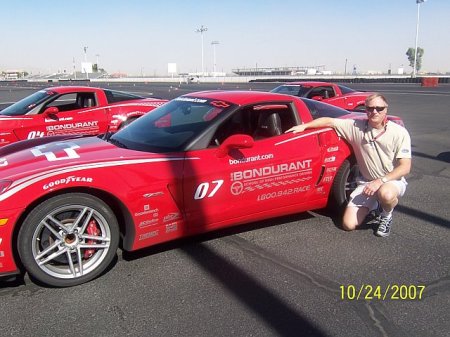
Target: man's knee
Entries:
(349, 225)
(349, 222)
(353, 217)
(387, 194)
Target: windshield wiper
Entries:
(117, 143)
(106, 136)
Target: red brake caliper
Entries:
(92, 229)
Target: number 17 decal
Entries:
(203, 190)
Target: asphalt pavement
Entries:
(292, 276)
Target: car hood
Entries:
(72, 152)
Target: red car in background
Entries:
(71, 110)
(331, 93)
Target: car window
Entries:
(329, 91)
(319, 109)
(260, 121)
(73, 101)
(113, 96)
(64, 102)
(318, 92)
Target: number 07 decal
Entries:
(203, 190)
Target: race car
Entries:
(71, 110)
(198, 163)
(330, 93)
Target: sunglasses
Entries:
(373, 108)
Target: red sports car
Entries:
(330, 93)
(71, 110)
(201, 162)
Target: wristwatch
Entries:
(384, 180)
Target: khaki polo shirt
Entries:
(376, 151)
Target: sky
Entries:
(142, 37)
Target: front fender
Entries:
(145, 199)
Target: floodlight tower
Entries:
(214, 43)
(201, 30)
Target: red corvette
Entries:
(201, 162)
(71, 110)
(330, 93)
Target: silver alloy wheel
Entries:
(71, 241)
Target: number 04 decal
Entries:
(203, 190)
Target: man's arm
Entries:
(401, 169)
(316, 123)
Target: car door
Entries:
(69, 113)
(234, 183)
(341, 101)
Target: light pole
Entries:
(214, 43)
(74, 68)
(201, 30)
(418, 2)
(85, 61)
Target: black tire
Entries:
(343, 185)
(127, 122)
(68, 240)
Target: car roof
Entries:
(242, 97)
(308, 83)
(70, 88)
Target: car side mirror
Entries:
(238, 141)
(51, 111)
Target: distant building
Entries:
(280, 71)
(13, 74)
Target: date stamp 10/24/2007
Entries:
(377, 292)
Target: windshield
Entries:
(172, 126)
(25, 105)
(293, 90)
